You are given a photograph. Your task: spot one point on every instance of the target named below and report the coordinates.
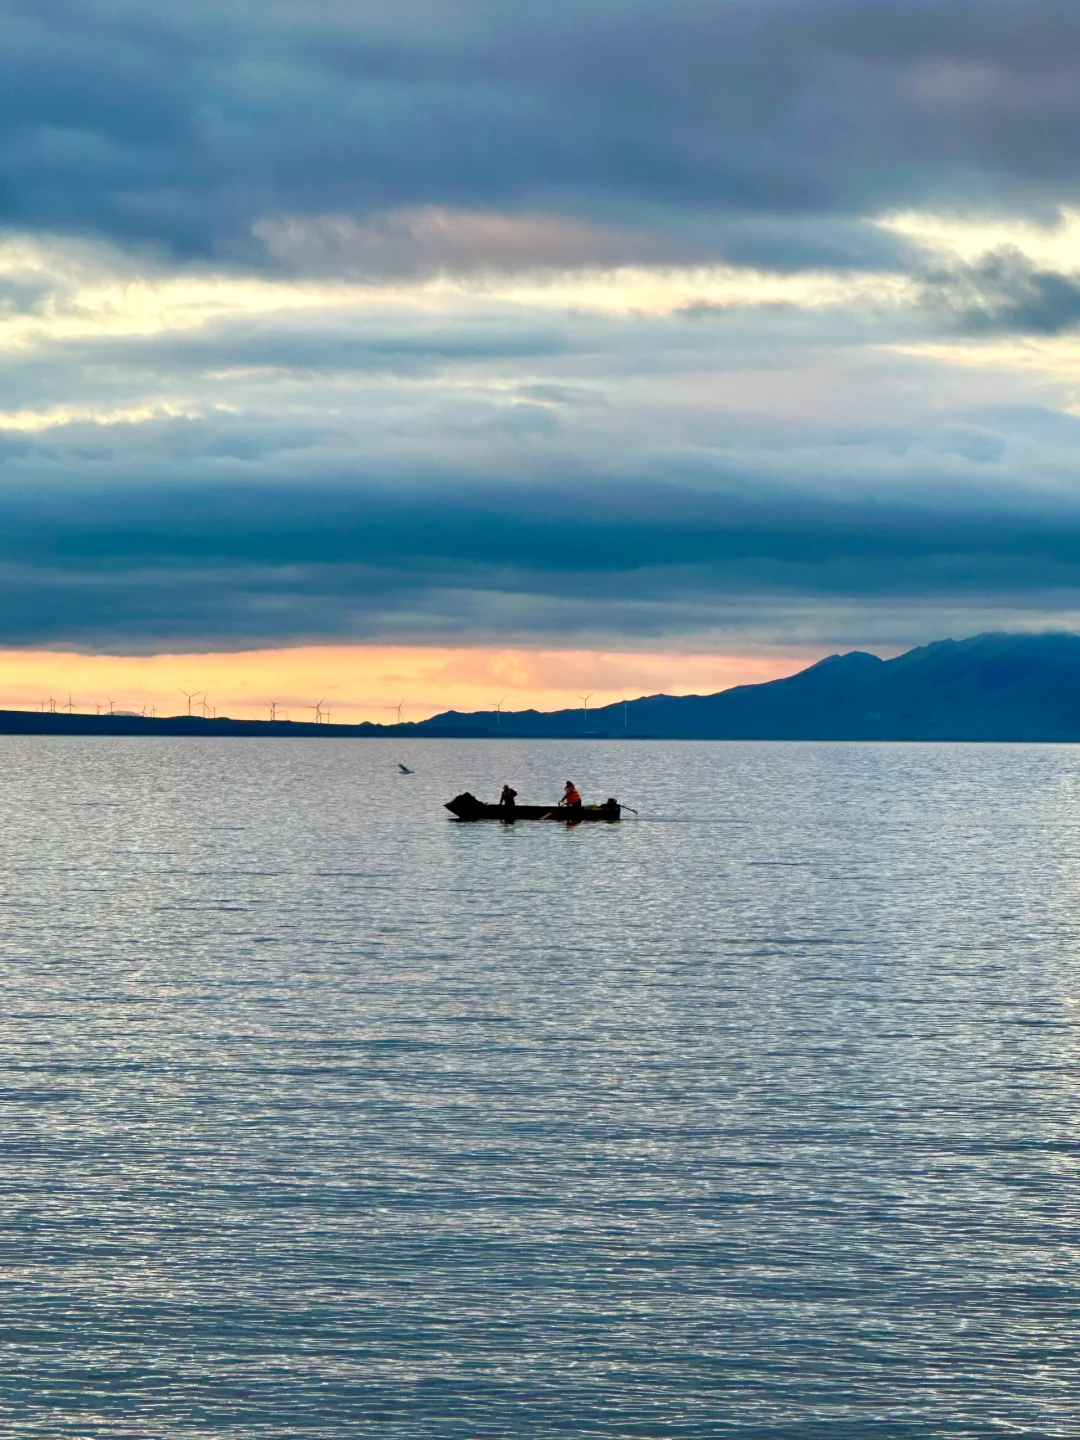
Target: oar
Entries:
(630, 808)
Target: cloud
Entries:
(1004, 293)
(245, 564)
(186, 125)
(189, 458)
(433, 240)
(349, 321)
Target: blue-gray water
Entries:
(327, 1116)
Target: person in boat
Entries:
(507, 798)
(571, 799)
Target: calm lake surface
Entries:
(327, 1116)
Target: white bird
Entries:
(405, 769)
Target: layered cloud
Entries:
(621, 325)
(189, 123)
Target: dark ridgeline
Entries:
(993, 687)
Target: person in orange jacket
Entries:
(571, 799)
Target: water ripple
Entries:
(325, 1116)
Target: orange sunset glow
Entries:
(357, 683)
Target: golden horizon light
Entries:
(356, 683)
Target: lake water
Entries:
(327, 1116)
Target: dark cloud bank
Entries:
(249, 565)
(186, 124)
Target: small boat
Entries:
(467, 807)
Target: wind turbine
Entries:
(273, 709)
(318, 713)
(190, 697)
(52, 706)
(585, 702)
(69, 707)
(110, 708)
(498, 714)
(399, 707)
(207, 713)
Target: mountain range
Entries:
(991, 687)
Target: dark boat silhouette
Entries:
(468, 807)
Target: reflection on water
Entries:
(327, 1116)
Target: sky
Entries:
(452, 351)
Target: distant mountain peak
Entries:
(851, 660)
